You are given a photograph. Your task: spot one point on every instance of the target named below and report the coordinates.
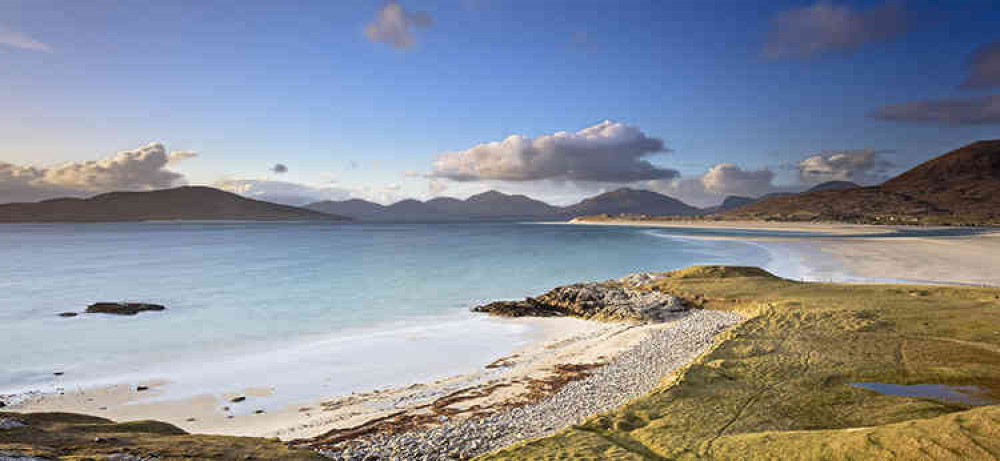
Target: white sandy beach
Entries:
(558, 341)
(826, 228)
(966, 259)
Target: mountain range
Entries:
(493, 205)
(959, 187)
(181, 203)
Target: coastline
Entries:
(557, 343)
(858, 255)
(565, 363)
(773, 226)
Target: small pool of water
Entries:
(966, 395)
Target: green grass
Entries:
(778, 386)
(75, 437)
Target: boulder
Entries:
(122, 308)
(68, 314)
(616, 300)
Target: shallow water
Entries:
(965, 395)
(301, 307)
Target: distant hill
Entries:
(488, 205)
(182, 203)
(493, 205)
(731, 202)
(833, 185)
(632, 201)
(960, 187)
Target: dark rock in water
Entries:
(58, 373)
(141, 388)
(613, 300)
(122, 308)
(237, 399)
(258, 412)
(68, 314)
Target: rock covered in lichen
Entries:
(619, 300)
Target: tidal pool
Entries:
(966, 395)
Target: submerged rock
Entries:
(122, 308)
(610, 301)
(68, 314)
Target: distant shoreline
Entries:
(870, 253)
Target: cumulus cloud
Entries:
(984, 68)
(606, 152)
(864, 167)
(730, 179)
(826, 26)
(981, 110)
(18, 40)
(140, 169)
(394, 26)
(720, 181)
(279, 168)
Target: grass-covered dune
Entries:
(779, 385)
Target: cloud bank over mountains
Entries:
(606, 152)
(145, 168)
(860, 166)
(563, 167)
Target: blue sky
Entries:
(248, 84)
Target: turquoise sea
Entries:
(304, 308)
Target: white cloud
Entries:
(861, 166)
(720, 181)
(298, 194)
(606, 152)
(826, 26)
(18, 40)
(144, 168)
(729, 179)
(394, 26)
(288, 193)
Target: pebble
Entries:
(628, 375)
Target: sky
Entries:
(384, 100)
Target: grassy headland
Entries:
(779, 385)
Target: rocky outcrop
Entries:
(122, 308)
(614, 300)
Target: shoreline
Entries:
(500, 403)
(775, 226)
(557, 342)
(865, 257)
(663, 349)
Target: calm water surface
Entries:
(297, 305)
